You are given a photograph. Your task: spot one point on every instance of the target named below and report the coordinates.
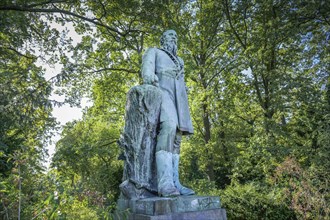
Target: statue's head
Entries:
(169, 41)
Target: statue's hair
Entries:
(162, 38)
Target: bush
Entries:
(250, 201)
(305, 191)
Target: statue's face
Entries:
(170, 36)
(169, 41)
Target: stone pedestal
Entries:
(174, 208)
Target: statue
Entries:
(157, 115)
(163, 68)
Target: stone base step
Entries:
(212, 214)
(172, 208)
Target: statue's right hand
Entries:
(151, 80)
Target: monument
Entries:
(157, 116)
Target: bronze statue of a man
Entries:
(162, 67)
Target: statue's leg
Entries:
(164, 149)
(176, 158)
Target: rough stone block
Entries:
(175, 208)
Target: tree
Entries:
(25, 114)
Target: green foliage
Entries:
(87, 154)
(304, 191)
(25, 112)
(78, 210)
(251, 201)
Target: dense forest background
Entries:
(259, 93)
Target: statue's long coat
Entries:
(174, 105)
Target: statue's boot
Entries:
(165, 174)
(182, 189)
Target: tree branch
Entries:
(29, 8)
(217, 73)
(227, 12)
(255, 82)
(115, 69)
(19, 53)
(45, 3)
(111, 142)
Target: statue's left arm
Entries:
(181, 74)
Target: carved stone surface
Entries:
(138, 141)
(182, 207)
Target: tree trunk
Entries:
(207, 138)
(19, 192)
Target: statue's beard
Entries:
(171, 47)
